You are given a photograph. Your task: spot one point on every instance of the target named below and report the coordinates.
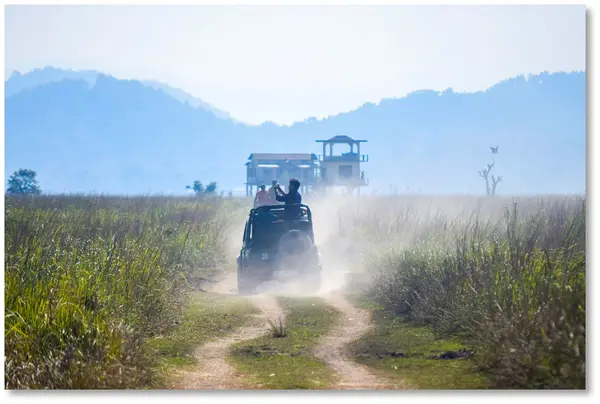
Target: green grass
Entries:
(287, 363)
(393, 336)
(88, 280)
(208, 317)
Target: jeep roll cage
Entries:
(295, 216)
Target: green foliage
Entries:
(199, 188)
(88, 280)
(211, 188)
(511, 285)
(23, 182)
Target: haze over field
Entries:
(366, 72)
(418, 289)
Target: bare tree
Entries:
(485, 174)
(495, 181)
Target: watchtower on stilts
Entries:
(343, 169)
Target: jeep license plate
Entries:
(285, 274)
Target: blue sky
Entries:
(285, 64)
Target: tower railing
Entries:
(363, 158)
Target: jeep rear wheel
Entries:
(313, 282)
(245, 286)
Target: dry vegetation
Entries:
(506, 276)
(88, 280)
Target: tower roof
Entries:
(341, 139)
(283, 156)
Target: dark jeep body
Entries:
(279, 245)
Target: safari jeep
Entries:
(278, 245)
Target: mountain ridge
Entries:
(122, 136)
(18, 82)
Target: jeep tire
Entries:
(313, 282)
(245, 286)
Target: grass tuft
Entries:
(271, 362)
(277, 328)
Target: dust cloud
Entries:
(341, 250)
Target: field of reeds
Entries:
(89, 279)
(506, 276)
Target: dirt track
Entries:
(354, 323)
(214, 372)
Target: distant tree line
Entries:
(199, 188)
(24, 182)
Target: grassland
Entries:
(277, 361)
(89, 280)
(412, 355)
(505, 277)
(99, 291)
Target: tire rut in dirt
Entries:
(354, 323)
(214, 371)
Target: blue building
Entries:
(313, 172)
(262, 168)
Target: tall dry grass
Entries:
(89, 279)
(507, 276)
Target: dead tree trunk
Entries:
(485, 175)
(495, 181)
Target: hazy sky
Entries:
(285, 64)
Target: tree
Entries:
(211, 188)
(197, 187)
(200, 189)
(485, 174)
(23, 182)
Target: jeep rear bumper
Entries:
(279, 273)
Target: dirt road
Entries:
(214, 372)
(353, 324)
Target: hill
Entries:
(185, 97)
(124, 136)
(18, 82)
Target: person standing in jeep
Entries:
(262, 197)
(273, 192)
(291, 197)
